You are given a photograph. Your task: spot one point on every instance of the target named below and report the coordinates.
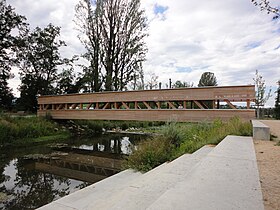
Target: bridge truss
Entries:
(182, 104)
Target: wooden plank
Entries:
(232, 93)
(179, 115)
(198, 104)
(185, 104)
(230, 104)
(147, 105)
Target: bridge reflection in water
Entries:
(86, 163)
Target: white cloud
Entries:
(230, 38)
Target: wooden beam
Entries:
(135, 105)
(47, 106)
(185, 104)
(89, 105)
(106, 105)
(96, 105)
(158, 104)
(171, 105)
(198, 104)
(60, 106)
(230, 104)
(204, 105)
(248, 104)
(125, 105)
(147, 105)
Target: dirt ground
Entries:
(268, 158)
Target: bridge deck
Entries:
(184, 104)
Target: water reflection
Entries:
(34, 176)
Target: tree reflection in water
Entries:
(32, 189)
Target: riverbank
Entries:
(18, 131)
(177, 139)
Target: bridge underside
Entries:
(182, 105)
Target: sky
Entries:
(231, 38)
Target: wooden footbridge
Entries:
(182, 105)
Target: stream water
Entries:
(36, 175)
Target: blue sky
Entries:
(230, 38)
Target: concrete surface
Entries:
(260, 130)
(149, 187)
(96, 192)
(227, 178)
(213, 178)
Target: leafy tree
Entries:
(10, 26)
(207, 79)
(66, 82)
(38, 65)
(152, 81)
(180, 84)
(113, 33)
(277, 102)
(261, 98)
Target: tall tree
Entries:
(261, 97)
(277, 102)
(10, 26)
(207, 79)
(113, 33)
(38, 64)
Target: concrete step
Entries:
(226, 179)
(97, 192)
(146, 189)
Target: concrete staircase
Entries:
(221, 177)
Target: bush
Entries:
(13, 129)
(150, 153)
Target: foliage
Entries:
(113, 33)
(277, 103)
(39, 60)
(152, 81)
(181, 138)
(66, 83)
(10, 26)
(265, 5)
(207, 79)
(261, 98)
(180, 84)
(21, 129)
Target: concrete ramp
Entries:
(227, 178)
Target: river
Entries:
(33, 176)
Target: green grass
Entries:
(20, 130)
(181, 138)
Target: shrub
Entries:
(150, 153)
(180, 138)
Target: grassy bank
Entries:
(28, 130)
(180, 138)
